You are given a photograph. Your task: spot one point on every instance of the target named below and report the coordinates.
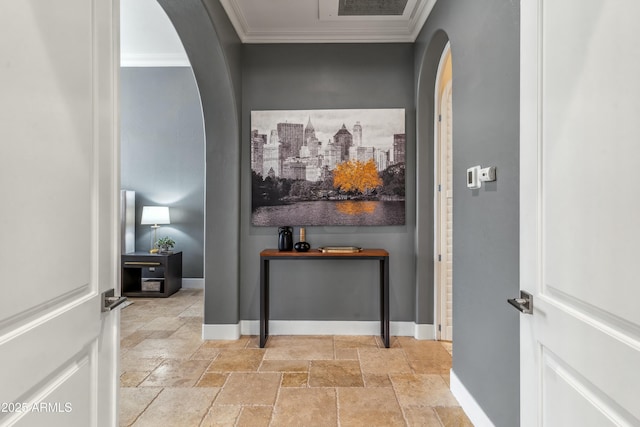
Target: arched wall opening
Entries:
(213, 49)
(425, 188)
(443, 212)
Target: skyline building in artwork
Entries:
(357, 135)
(344, 140)
(399, 143)
(257, 151)
(291, 136)
(271, 156)
(293, 151)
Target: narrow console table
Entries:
(268, 255)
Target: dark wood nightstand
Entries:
(151, 275)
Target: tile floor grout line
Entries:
(146, 407)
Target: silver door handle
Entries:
(524, 304)
(109, 301)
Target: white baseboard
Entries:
(193, 283)
(321, 327)
(424, 331)
(221, 332)
(316, 327)
(468, 403)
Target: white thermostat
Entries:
(473, 177)
(488, 174)
(476, 175)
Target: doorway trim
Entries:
(443, 193)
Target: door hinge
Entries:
(439, 257)
(439, 187)
(439, 117)
(439, 328)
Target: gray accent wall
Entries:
(162, 153)
(484, 38)
(324, 76)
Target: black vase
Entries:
(285, 238)
(302, 246)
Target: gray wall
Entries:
(162, 155)
(317, 76)
(214, 51)
(484, 39)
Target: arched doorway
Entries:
(443, 215)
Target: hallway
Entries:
(170, 377)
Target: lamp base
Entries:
(154, 251)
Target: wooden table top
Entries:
(316, 253)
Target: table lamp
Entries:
(155, 215)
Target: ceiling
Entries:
(327, 21)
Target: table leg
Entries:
(384, 300)
(264, 301)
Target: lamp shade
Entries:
(155, 215)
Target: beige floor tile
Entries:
(383, 361)
(205, 353)
(192, 311)
(448, 345)
(131, 362)
(422, 390)
(346, 341)
(189, 332)
(295, 379)
(284, 366)
(421, 417)
(133, 401)
(134, 338)
(369, 407)
(178, 407)
(305, 407)
(423, 349)
(447, 379)
(346, 353)
(230, 360)
(222, 416)
(212, 379)
(176, 373)
(299, 348)
(428, 366)
(377, 380)
(244, 388)
(254, 342)
(163, 323)
(453, 417)
(169, 348)
(242, 342)
(335, 373)
(255, 416)
(133, 379)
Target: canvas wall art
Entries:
(328, 167)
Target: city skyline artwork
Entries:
(328, 167)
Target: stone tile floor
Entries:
(171, 377)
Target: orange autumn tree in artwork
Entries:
(355, 176)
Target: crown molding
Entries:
(366, 29)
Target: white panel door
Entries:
(58, 210)
(579, 212)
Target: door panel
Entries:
(58, 195)
(579, 230)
